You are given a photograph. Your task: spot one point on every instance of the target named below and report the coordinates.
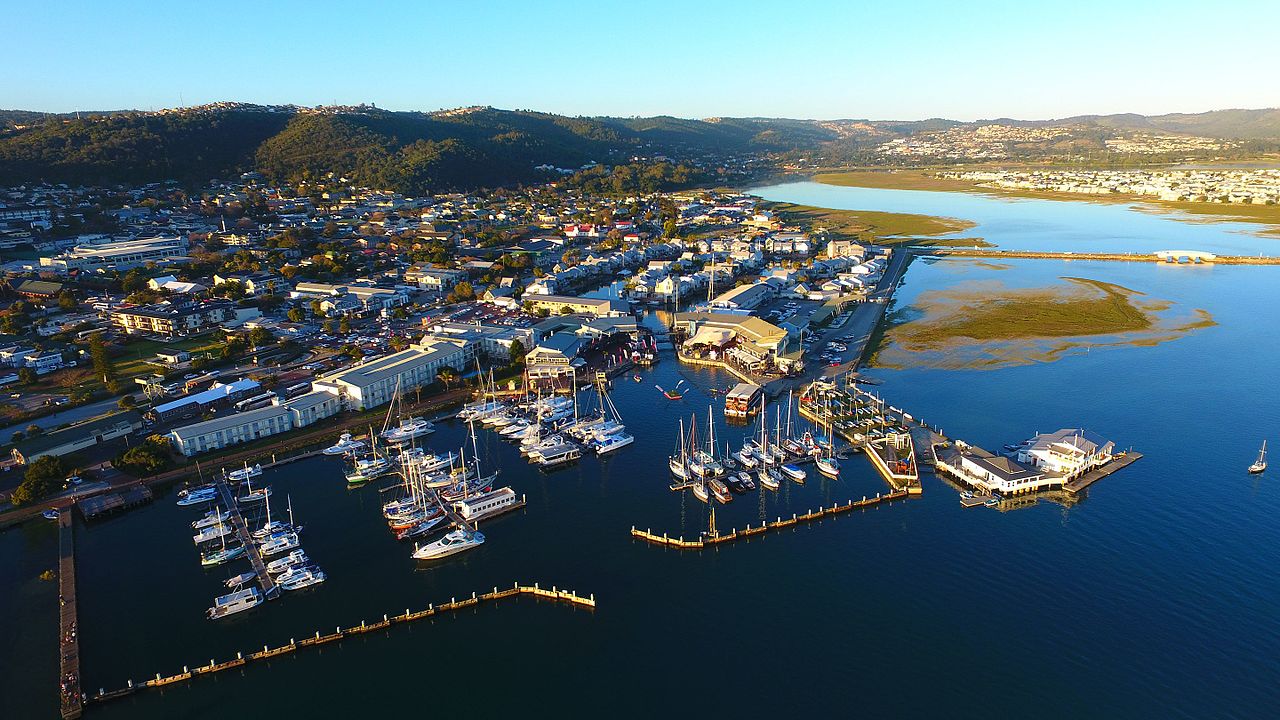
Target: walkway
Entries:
(71, 699)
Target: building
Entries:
(555, 305)
(1068, 452)
(231, 429)
(121, 255)
(494, 342)
(758, 337)
(255, 284)
(45, 361)
(370, 298)
(555, 356)
(179, 320)
(312, 407)
(77, 437)
(746, 297)
(219, 397)
(38, 289)
(435, 279)
(373, 382)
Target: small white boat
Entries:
(51, 514)
(222, 555)
(700, 492)
(346, 444)
(794, 472)
(676, 465)
(301, 577)
(407, 430)
(256, 495)
(1260, 465)
(747, 458)
(277, 544)
(244, 473)
(279, 565)
(213, 517)
(368, 468)
(235, 602)
(454, 542)
(769, 478)
(241, 579)
(515, 429)
(213, 532)
(828, 466)
(198, 496)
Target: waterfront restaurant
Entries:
(990, 473)
(1068, 452)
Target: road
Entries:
(866, 317)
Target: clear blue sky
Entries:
(883, 60)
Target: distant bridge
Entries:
(1177, 256)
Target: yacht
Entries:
(677, 467)
(470, 487)
(241, 579)
(828, 466)
(432, 463)
(720, 490)
(1260, 464)
(346, 444)
(300, 577)
(474, 509)
(454, 542)
(213, 517)
(368, 468)
(255, 495)
(407, 430)
(769, 478)
(275, 527)
(213, 532)
(453, 477)
(51, 514)
(197, 496)
(515, 429)
(700, 492)
(747, 458)
(422, 527)
(221, 555)
(614, 442)
(794, 472)
(277, 544)
(244, 473)
(747, 482)
(279, 565)
(235, 602)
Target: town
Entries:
(1227, 186)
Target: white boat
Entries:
(277, 544)
(368, 468)
(676, 465)
(769, 478)
(244, 473)
(213, 532)
(454, 542)
(407, 430)
(486, 504)
(432, 463)
(1260, 464)
(211, 518)
(301, 577)
(720, 490)
(614, 442)
(422, 527)
(279, 565)
(747, 458)
(255, 495)
(226, 553)
(828, 466)
(197, 496)
(346, 444)
(559, 456)
(700, 492)
(235, 602)
(446, 479)
(794, 472)
(515, 429)
(241, 579)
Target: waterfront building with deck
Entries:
(1068, 452)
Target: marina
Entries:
(262, 577)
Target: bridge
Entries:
(1193, 256)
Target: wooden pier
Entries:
(268, 585)
(708, 539)
(99, 505)
(1119, 463)
(71, 699)
(553, 594)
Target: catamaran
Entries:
(345, 445)
(613, 442)
(235, 602)
(454, 542)
(1260, 464)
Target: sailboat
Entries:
(827, 463)
(1260, 464)
(370, 466)
(679, 463)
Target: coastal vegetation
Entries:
(42, 478)
(880, 227)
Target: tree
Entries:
(463, 292)
(133, 281)
(34, 430)
(147, 458)
(447, 375)
(67, 300)
(344, 325)
(27, 376)
(126, 402)
(400, 314)
(261, 337)
(296, 314)
(316, 308)
(566, 310)
(102, 365)
(18, 436)
(234, 347)
(517, 352)
(44, 476)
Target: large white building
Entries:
(372, 383)
(122, 255)
(1068, 452)
(236, 428)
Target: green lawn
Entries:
(135, 360)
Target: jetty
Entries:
(553, 594)
(71, 699)
(91, 508)
(268, 585)
(1164, 257)
(713, 537)
(1118, 463)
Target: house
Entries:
(40, 289)
(220, 396)
(438, 280)
(555, 305)
(255, 284)
(555, 356)
(1068, 452)
(78, 436)
(45, 361)
(172, 320)
(746, 297)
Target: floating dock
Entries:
(71, 699)
(708, 539)
(554, 594)
(1119, 463)
(268, 585)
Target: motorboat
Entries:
(244, 473)
(213, 532)
(241, 579)
(614, 442)
(213, 517)
(422, 527)
(197, 497)
(279, 565)
(795, 472)
(235, 602)
(515, 429)
(407, 430)
(559, 456)
(51, 514)
(345, 445)
(720, 490)
(454, 542)
(432, 463)
(747, 482)
(297, 578)
(277, 544)
(747, 458)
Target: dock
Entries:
(91, 508)
(1119, 463)
(268, 585)
(70, 697)
(708, 539)
(554, 594)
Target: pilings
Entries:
(706, 540)
(71, 699)
(554, 594)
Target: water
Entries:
(1158, 595)
(1045, 225)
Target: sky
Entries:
(891, 59)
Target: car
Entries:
(15, 396)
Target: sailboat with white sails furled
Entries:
(1260, 465)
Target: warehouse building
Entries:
(372, 383)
